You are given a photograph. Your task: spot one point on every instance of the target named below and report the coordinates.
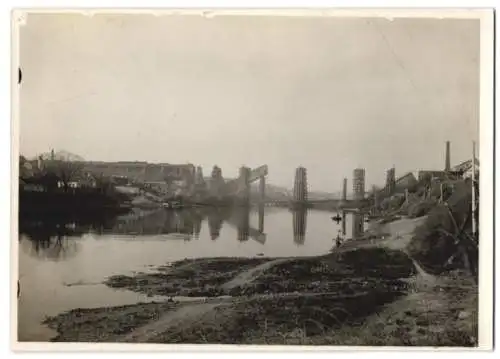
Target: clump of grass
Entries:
(190, 278)
(105, 324)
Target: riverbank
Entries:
(363, 294)
(77, 202)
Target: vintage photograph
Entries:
(259, 179)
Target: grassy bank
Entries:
(189, 278)
(360, 297)
(366, 294)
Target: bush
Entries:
(392, 203)
(429, 245)
(421, 208)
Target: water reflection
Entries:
(55, 238)
(50, 248)
(158, 222)
(243, 224)
(299, 226)
(240, 219)
(51, 239)
(261, 218)
(215, 220)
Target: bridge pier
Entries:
(262, 189)
(244, 186)
(300, 187)
(359, 195)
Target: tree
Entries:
(65, 171)
(103, 183)
(23, 171)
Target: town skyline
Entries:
(66, 155)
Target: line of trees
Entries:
(51, 174)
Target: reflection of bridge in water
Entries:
(189, 223)
(53, 238)
(299, 226)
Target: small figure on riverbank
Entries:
(338, 240)
(337, 218)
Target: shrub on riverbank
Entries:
(431, 245)
(421, 208)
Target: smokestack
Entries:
(344, 190)
(447, 165)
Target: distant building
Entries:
(432, 175)
(398, 186)
(81, 180)
(405, 182)
(143, 171)
(464, 169)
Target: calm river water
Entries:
(62, 265)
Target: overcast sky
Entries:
(329, 94)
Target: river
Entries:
(62, 265)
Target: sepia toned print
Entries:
(263, 180)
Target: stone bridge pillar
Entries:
(300, 186)
(262, 189)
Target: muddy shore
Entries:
(371, 294)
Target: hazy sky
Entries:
(329, 94)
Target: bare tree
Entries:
(65, 171)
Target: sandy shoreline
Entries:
(314, 300)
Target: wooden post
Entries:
(406, 196)
(344, 218)
(474, 188)
(441, 192)
(261, 218)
